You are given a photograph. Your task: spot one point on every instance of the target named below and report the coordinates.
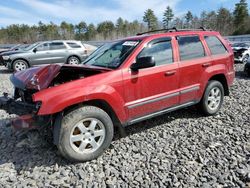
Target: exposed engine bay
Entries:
(33, 80)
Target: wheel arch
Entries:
(222, 79)
(100, 103)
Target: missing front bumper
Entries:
(13, 106)
(31, 122)
(27, 114)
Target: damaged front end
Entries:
(27, 83)
(30, 82)
(27, 118)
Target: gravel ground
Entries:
(180, 149)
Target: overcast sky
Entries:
(94, 11)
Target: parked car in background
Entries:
(241, 52)
(15, 47)
(12, 50)
(48, 52)
(247, 68)
(122, 83)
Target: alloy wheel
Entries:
(87, 135)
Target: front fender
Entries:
(56, 99)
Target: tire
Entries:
(85, 134)
(212, 99)
(245, 59)
(73, 60)
(20, 65)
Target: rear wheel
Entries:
(85, 134)
(213, 98)
(19, 65)
(245, 59)
(73, 60)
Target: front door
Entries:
(152, 89)
(41, 55)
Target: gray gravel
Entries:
(180, 149)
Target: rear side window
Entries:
(57, 46)
(160, 50)
(190, 47)
(215, 45)
(73, 45)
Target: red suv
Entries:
(122, 83)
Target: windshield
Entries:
(112, 55)
(31, 46)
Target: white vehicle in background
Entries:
(241, 52)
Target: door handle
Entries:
(206, 64)
(170, 73)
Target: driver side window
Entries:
(43, 47)
(161, 50)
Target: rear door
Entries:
(193, 58)
(58, 52)
(152, 89)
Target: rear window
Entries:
(73, 45)
(215, 45)
(57, 46)
(190, 47)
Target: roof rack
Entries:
(174, 29)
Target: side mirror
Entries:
(34, 50)
(143, 62)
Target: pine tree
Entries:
(167, 17)
(240, 16)
(151, 20)
(189, 17)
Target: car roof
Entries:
(170, 34)
(77, 41)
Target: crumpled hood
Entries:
(39, 78)
(36, 78)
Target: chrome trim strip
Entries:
(149, 116)
(195, 88)
(154, 100)
(190, 89)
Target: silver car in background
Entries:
(48, 52)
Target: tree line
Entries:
(223, 20)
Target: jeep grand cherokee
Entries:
(122, 83)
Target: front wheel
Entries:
(20, 65)
(213, 98)
(85, 134)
